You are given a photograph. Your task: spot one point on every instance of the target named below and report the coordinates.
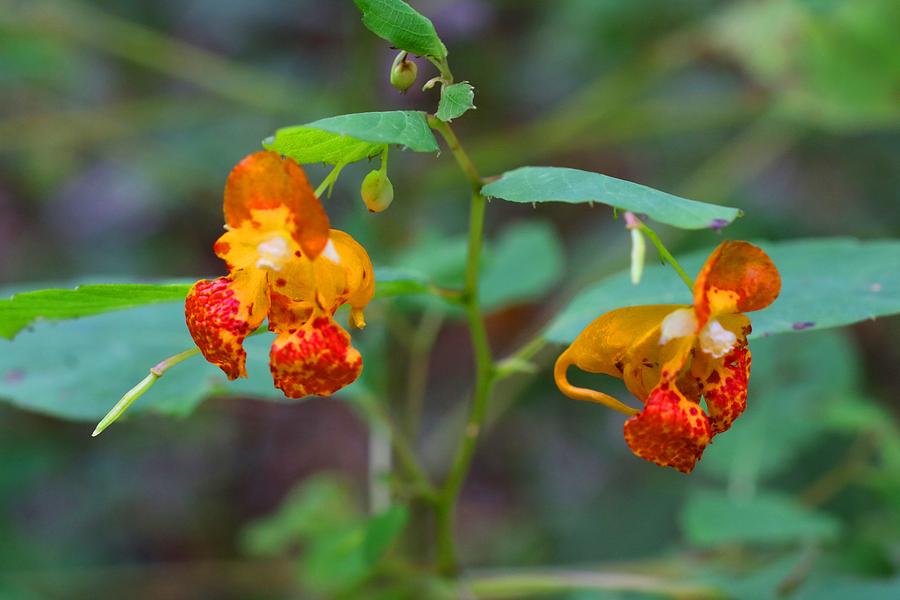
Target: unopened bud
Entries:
(638, 250)
(403, 73)
(377, 191)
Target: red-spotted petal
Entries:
(316, 359)
(264, 181)
(725, 388)
(671, 431)
(221, 312)
(737, 277)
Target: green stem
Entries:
(485, 368)
(666, 255)
(541, 583)
(403, 449)
(328, 182)
(137, 391)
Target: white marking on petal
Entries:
(331, 253)
(678, 323)
(272, 253)
(715, 340)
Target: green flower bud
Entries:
(377, 191)
(403, 73)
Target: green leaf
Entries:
(382, 530)
(710, 518)
(524, 263)
(559, 184)
(77, 369)
(343, 559)
(830, 587)
(401, 25)
(315, 507)
(825, 283)
(22, 309)
(349, 138)
(456, 99)
(308, 145)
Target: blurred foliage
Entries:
(118, 124)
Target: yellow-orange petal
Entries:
(317, 359)
(725, 388)
(628, 334)
(221, 312)
(671, 431)
(264, 181)
(360, 276)
(737, 277)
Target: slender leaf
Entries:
(22, 309)
(826, 282)
(559, 184)
(401, 25)
(456, 99)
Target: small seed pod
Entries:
(377, 191)
(403, 73)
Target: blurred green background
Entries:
(119, 122)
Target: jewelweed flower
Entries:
(670, 355)
(285, 264)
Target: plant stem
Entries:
(539, 583)
(485, 367)
(137, 391)
(666, 255)
(328, 182)
(402, 448)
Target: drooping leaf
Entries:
(455, 100)
(559, 184)
(401, 25)
(825, 283)
(21, 309)
(711, 518)
(349, 138)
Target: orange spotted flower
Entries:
(670, 355)
(284, 264)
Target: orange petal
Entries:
(725, 388)
(737, 277)
(221, 312)
(671, 431)
(317, 359)
(360, 276)
(264, 181)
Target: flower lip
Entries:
(715, 340)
